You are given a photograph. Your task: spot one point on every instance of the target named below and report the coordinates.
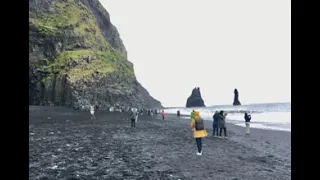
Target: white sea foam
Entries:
(273, 116)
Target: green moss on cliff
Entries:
(73, 17)
(67, 14)
(83, 64)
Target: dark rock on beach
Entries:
(195, 99)
(236, 101)
(77, 58)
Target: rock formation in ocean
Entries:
(195, 99)
(76, 57)
(236, 101)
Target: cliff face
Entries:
(195, 100)
(76, 57)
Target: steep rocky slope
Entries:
(76, 57)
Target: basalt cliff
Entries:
(76, 57)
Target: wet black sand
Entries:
(69, 145)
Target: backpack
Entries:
(132, 116)
(199, 125)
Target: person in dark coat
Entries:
(222, 123)
(215, 124)
(133, 118)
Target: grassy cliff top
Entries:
(71, 19)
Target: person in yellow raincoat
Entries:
(199, 132)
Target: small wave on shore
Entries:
(272, 116)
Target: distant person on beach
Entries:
(199, 132)
(215, 124)
(92, 112)
(133, 118)
(137, 114)
(247, 118)
(178, 114)
(222, 123)
(192, 114)
(162, 114)
(151, 113)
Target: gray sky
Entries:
(217, 45)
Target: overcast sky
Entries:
(217, 45)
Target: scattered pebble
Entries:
(54, 167)
(171, 175)
(68, 145)
(58, 132)
(48, 117)
(51, 133)
(31, 134)
(59, 150)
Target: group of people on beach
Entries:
(137, 112)
(218, 126)
(197, 123)
(219, 123)
(134, 113)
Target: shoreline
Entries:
(241, 124)
(268, 138)
(70, 145)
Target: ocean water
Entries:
(272, 116)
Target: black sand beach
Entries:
(66, 144)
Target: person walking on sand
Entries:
(92, 112)
(132, 118)
(178, 114)
(137, 114)
(222, 123)
(162, 114)
(199, 132)
(151, 114)
(215, 124)
(247, 118)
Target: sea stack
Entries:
(236, 101)
(195, 99)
